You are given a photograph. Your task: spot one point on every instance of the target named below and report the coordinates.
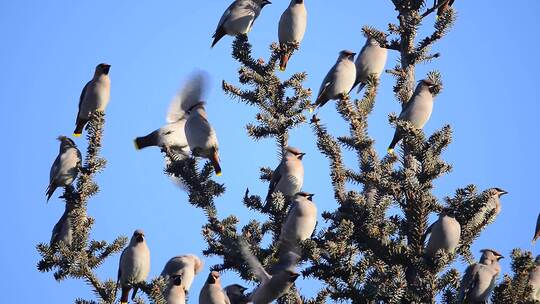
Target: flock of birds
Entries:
(188, 132)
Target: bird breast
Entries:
(343, 80)
(292, 24)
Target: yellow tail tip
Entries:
(390, 151)
(218, 173)
(77, 134)
(310, 109)
(282, 69)
(135, 144)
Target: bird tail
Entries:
(536, 237)
(79, 127)
(125, 295)
(146, 141)
(214, 158)
(395, 140)
(50, 190)
(135, 289)
(283, 61)
(360, 87)
(220, 33)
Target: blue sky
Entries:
(49, 51)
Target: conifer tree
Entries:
(361, 253)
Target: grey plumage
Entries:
(238, 19)
(94, 96)
(288, 177)
(172, 136)
(235, 293)
(371, 60)
(174, 292)
(212, 293)
(479, 279)
(273, 286)
(63, 229)
(493, 205)
(300, 222)
(292, 27)
(534, 280)
(339, 80)
(134, 265)
(65, 167)
(185, 266)
(537, 230)
(417, 111)
(445, 234)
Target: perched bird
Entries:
(339, 80)
(238, 18)
(445, 234)
(63, 230)
(534, 280)
(174, 292)
(292, 27)
(212, 293)
(288, 177)
(185, 266)
(201, 136)
(417, 111)
(493, 205)
(371, 60)
(480, 278)
(65, 167)
(94, 96)
(537, 230)
(134, 265)
(300, 221)
(273, 286)
(444, 7)
(235, 293)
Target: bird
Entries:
(292, 27)
(417, 111)
(479, 279)
(201, 136)
(371, 60)
(339, 80)
(300, 221)
(445, 234)
(235, 293)
(174, 292)
(534, 280)
(134, 265)
(63, 229)
(443, 7)
(273, 286)
(94, 97)
(238, 19)
(288, 177)
(537, 230)
(172, 136)
(212, 293)
(185, 266)
(492, 206)
(66, 166)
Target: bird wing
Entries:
(54, 169)
(326, 82)
(428, 231)
(81, 98)
(276, 176)
(191, 93)
(225, 15)
(468, 282)
(254, 265)
(537, 230)
(57, 228)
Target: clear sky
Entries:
(49, 51)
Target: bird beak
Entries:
(140, 238)
(503, 192)
(310, 196)
(301, 155)
(500, 257)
